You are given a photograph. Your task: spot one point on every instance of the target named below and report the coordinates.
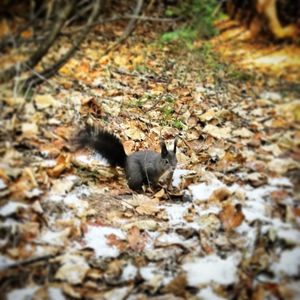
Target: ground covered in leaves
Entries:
(229, 228)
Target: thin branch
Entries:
(126, 17)
(129, 29)
(31, 261)
(35, 58)
(39, 78)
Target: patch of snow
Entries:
(73, 199)
(208, 294)
(214, 209)
(22, 294)
(54, 238)
(151, 272)
(33, 193)
(48, 163)
(63, 185)
(176, 180)
(2, 185)
(96, 238)
(5, 262)
(271, 95)
(176, 212)
(171, 238)
(73, 269)
(55, 294)
(282, 181)
(250, 234)
(255, 210)
(289, 263)
(256, 202)
(290, 235)
(212, 268)
(283, 230)
(11, 207)
(129, 272)
(203, 190)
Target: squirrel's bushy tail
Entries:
(103, 142)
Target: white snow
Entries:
(213, 209)
(282, 181)
(289, 235)
(73, 269)
(2, 184)
(22, 294)
(5, 261)
(249, 234)
(288, 264)
(208, 294)
(151, 272)
(95, 238)
(176, 212)
(55, 294)
(212, 268)
(171, 238)
(27, 293)
(10, 208)
(203, 190)
(129, 272)
(54, 238)
(48, 163)
(177, 176)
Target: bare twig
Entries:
(31, 261)
(39, 78)
(34, 59)
(129, 29)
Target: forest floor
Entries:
(229, 228)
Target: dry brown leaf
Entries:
(135, 134)
(231, 216)
(113, 240)
(218, 132)
(29, 130)
(148, 224)
(45, 101)
(136, 239)
(63, 163)
(52, 149)
(177, 286)
(220, 194)
(148, 208)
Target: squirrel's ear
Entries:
(175, 144)
(164, 150)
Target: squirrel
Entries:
(141, 167)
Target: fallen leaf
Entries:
(218, 132)
(136, 239)
(231, 216)
(73, 269)
(45, 101)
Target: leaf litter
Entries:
(228, 229)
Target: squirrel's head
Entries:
(168, 158)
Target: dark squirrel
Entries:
(141, 167)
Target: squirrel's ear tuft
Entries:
(175, 144)
(164, 150)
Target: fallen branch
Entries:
(129, 29)
(30, 261)
(35, 58)
(38, 78)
